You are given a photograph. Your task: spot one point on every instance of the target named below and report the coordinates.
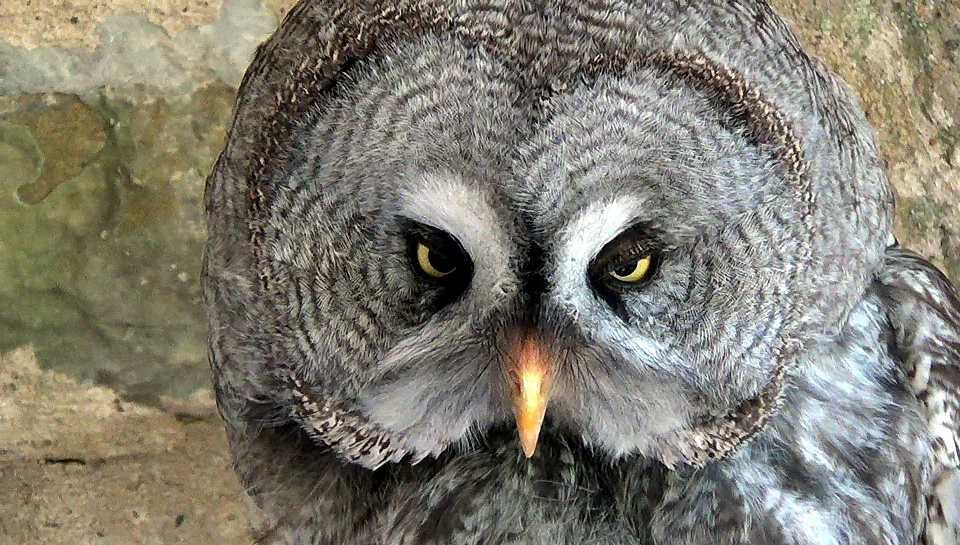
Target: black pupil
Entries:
(625, 269)
(441, 261)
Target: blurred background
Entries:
(111, 115)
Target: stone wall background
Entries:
(111, 114)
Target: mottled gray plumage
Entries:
(424, 204)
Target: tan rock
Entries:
(73, 23)
(78, 465)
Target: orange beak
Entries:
(531, 378)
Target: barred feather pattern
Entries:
(924, 309)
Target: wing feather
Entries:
(924, 309)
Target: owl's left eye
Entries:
(632, 270)
(627, 261)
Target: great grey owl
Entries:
(570, 272)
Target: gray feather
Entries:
(925, 312)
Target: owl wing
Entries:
(924, 309)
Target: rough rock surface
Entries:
(80, 465)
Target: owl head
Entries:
(458, 219)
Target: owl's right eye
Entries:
(438, 257)
(433, 263)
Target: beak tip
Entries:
(532, 379)
(529, 433)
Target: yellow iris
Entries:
(633, 272)
(428, 267)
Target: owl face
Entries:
(455, 252)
